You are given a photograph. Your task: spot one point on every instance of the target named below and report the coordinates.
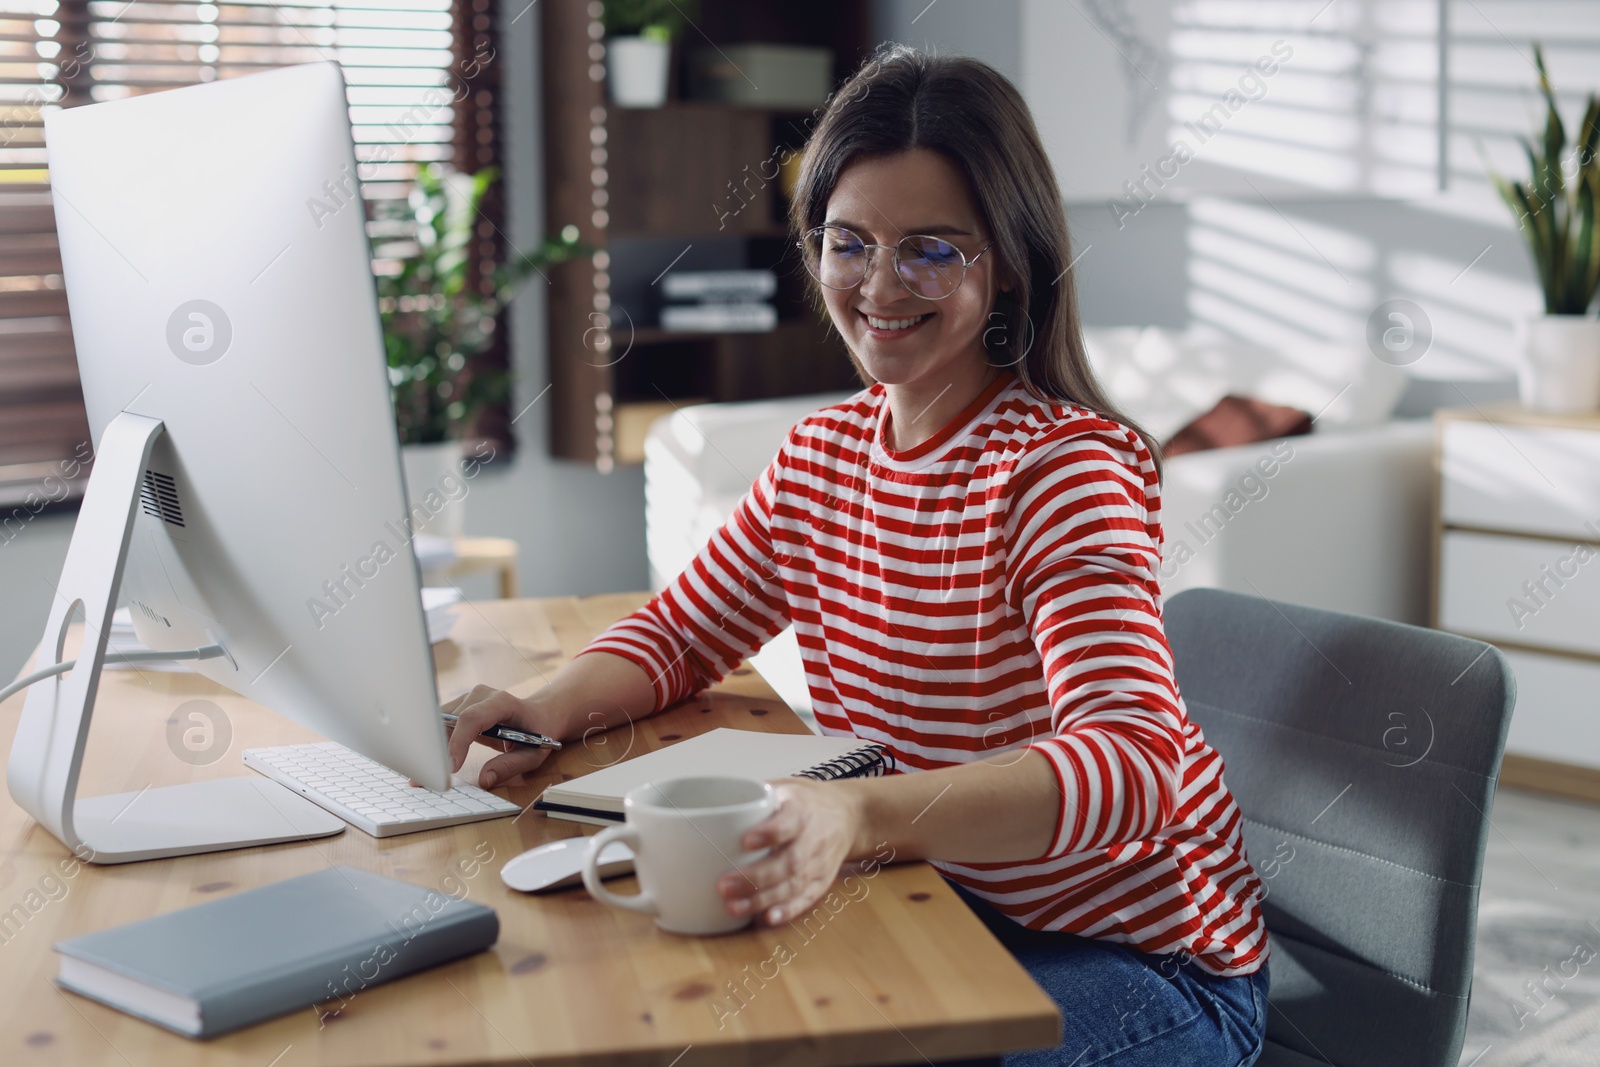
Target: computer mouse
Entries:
(559, 864)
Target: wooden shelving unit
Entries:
(686, 185)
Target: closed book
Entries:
(721, 318)
(597, 797)
(719, 284)
(215, 967)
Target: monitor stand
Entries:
(47, 754)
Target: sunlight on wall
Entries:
(1280, 277)
(1339, 98)
(1258, 275)
(1356, 110)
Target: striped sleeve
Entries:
(725, 605)
(1082, 569)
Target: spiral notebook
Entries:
(597, 797)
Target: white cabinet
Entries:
(1537, 478)
(1518, 564)
(1520, 591)
(1561, 696)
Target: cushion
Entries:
(1165, 379)
(1238, 420)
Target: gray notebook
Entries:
(318, 939)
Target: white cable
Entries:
(203, 652)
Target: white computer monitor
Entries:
(247, 487)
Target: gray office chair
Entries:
(1363, 754)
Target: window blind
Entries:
(410, 66)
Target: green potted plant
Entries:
(434, 323)
(1555, 209)
(639, 36)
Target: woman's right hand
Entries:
(485, 707)
(589, 695)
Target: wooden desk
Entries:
(899, 972)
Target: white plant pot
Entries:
(638, 68)
(436, 488)
(1560, 371)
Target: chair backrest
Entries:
(1363, 754)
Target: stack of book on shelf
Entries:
(723, 301)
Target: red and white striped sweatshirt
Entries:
(992, 588)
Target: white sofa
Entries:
(1339, 518)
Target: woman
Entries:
(968, 551)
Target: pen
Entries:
(507, 733)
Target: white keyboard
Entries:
(368, 795)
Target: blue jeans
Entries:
(1125, 1007)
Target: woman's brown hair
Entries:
(968, 112)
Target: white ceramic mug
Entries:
(685, 834)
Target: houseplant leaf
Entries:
(435, 323)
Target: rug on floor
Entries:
(1536, 988)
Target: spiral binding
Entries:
(871, 761)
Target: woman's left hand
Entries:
(813, 832)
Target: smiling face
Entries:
(900, 338)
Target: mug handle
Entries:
(640, 901)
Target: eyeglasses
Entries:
(930, 268)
